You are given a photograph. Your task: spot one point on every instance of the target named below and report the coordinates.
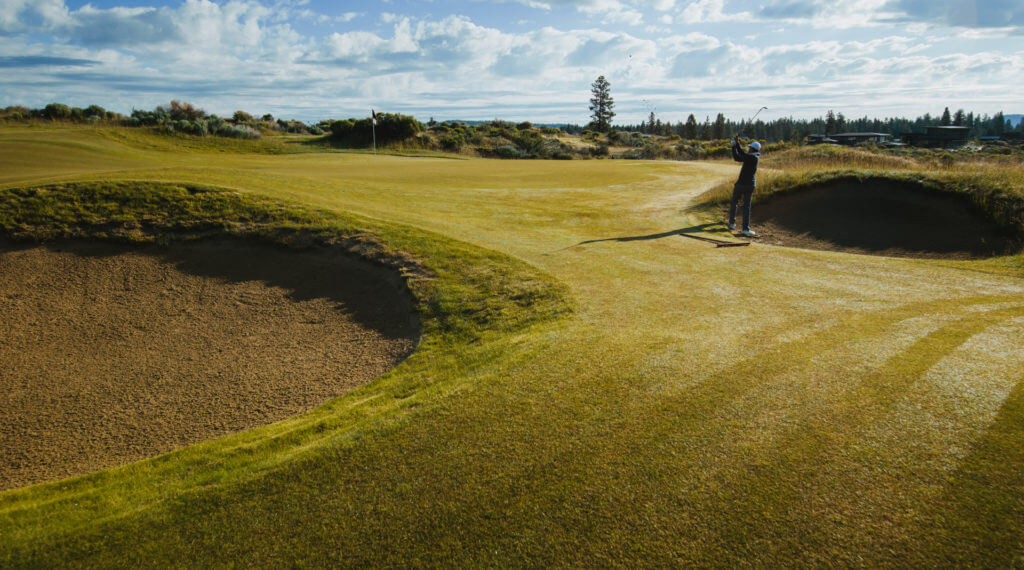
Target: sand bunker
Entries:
(879, 218)
(110, 354)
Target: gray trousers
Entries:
(748, 194)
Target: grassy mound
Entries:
(464, 294)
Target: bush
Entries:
(57, 111)
(391, 128)
(510, 151)
(178, 111)
(238, 132)
(452, 142)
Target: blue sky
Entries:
(518, 59)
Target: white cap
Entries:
(756, 146)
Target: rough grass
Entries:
(700, 406)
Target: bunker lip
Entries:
(115, 353)
(881, 217)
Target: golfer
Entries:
(745, 183)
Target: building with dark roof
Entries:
(855, 138)
(946, 137)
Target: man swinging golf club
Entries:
(745, 183)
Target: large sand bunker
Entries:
(110, 354)
(880, 218)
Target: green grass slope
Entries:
(754, 405)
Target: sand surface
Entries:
(879, 218)
(111, 354)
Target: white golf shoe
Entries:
(749, 233)
(732, 226)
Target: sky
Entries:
(518, 59)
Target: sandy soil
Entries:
(879, 219)
(109, 354)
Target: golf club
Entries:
(750, 123)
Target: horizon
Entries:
(518, 60)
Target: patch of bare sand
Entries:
(880, 218)
(111, 354)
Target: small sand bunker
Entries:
(111, 354)
(880, 218)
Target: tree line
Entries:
(785, 129)
(788, 129)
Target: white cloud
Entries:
(245, 54)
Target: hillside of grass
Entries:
(592, 388)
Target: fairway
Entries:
(697, 405)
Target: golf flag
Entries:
(373, 127)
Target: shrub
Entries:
(57, 111)
(452, 142)
(178, 111)
(238, 132)
(391, 128)
(510, 151)
(95, 111)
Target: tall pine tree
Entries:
(601, 104)
(690, 130)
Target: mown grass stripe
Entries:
(827, 482)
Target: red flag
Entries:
(374, 115)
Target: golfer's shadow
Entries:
(689, 230)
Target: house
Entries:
(820, 139)
(856, 138)
(945, 137)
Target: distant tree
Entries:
(718, 129)
(705, 130)
(959, 119)
(946, 120)
(601, 105)
(650, 123)
(998, 124)
(830, 122)
(241, 117)
(268, 118)
(840, 123)
(690, 129)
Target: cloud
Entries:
(245, 54)
(960, 13)
(18, 16)
(44, 61)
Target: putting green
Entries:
(701, 405)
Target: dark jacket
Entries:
(748, 173)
